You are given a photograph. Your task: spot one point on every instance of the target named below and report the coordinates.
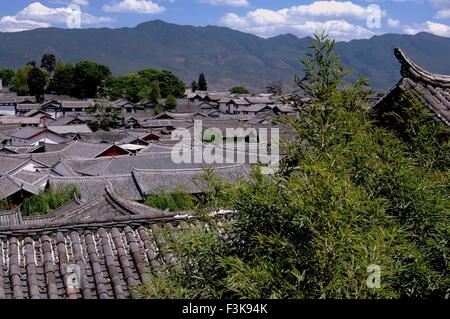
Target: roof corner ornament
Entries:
(404, 61)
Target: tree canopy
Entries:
(6, 76)
(239, 90)
(202, 84)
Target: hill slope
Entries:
(226, 56)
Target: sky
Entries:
(343, 20)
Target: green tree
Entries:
(151, 93)
(37, 82)
(62, 81)
(176, 201)
(89, 79)
(48, 62)
(169, 83)
(7, 76)
(171, 103)
(194, 86)
(47, 201)
(239, 90)
(108, 118)
(20, 81)
(275, 87)
(202, 84)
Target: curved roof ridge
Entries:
(175, 170)
(128, 205)
(410, 68)
(90, 177)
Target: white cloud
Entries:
(11, 24)
(67, 2)
(81, 2)
(228, 3)
(134, 6)
(331, 9)
(38, 12)
(329, 16)
(393, 23)
(443, 14)
(37, 15)
(431, 27)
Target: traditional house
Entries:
(127, 106)
(53, 108)
(34, 136)
(431, 89)
(76, 107)
(8, 105)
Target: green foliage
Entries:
(275, 87)
(349, 194)
(151, 93)
(89, 78)
(6, 76)
(194, 86)
(37, 82)
(158, 109)
(202, 84)
(179, 200)
(108, 118)
(63, 81)
(47, 201)
(20, 82)
(48, 62)
(171, 103)
(169, 83)
(239, 90)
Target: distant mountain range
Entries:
(226, 56)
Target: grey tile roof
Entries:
(111, 241)
(27, 107)
(12, 217)
(11, 163)
(432, 89)
(20, 120)
(77, 104)
(70, 129)
(28, 132)
(65, 120)
(153, 181)
(92, 187)
(32, 178)
(10, 185)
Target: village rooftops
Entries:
(76, 104)
(112, 241)
(432, 89)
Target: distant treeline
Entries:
(87, 79)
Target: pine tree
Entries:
(194, 86)
(202, 84)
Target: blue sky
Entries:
(344, 20)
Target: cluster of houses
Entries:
(106, 237)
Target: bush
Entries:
(179, 200)
(47, 201)
(349, 194)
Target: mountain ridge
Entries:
(228, 57)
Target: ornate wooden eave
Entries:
(432, 89)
